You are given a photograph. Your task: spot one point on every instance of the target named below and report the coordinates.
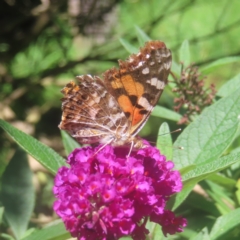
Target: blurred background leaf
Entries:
(17, 194)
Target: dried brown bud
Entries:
(191, 96)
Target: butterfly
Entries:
(114, 110)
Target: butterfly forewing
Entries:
(139, 82)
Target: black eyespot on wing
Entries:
(79, 102)
(133, 99)
(143, 111)
(149, 97)
(127, 114)
(139, 106)
(84, 97)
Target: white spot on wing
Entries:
(160, 84)
(166, 54)
(111, 103)
(144, 102)
(154, 81)
(145, 70)
(167, 65)
(140, 64)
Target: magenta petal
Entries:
(169, 222)
(108, 195)
(143, 186)
(126, 227)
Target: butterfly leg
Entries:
(103, 146)
(131, 148)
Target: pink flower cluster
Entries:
(107, 196)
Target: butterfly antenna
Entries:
(177, 130)
(178, 147)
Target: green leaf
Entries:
(45, 155)
(176, 200)
(69, 143)
(142, 36)
(164, 141)
(229, 87)
(162, 112)
(55, 231)
(203, 235)
(219, 195)
(128, 46)
(185, 170)
(238, 191)
(210, 67)
(3, 158)
(18, 193)
(155, 231)
(1, 214)
(29, 232)
(202, 171)
(225, 223)
(205, 139)
(222, 180)
(186, 234)
(202, 203)
(125, 238)
(6, 236)
(184, 53)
